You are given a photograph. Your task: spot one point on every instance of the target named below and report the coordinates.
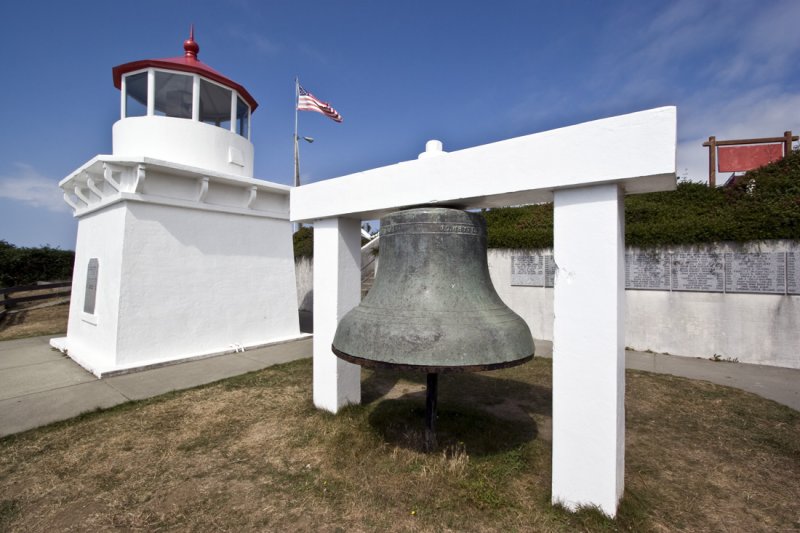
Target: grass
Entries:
(34, 320)
(252, 453)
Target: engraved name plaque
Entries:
(793, 272)
(647, 271)
(695, 271)
(654, 270)
(763, 272)
(549, 271)
(528, 270)
(90, 295)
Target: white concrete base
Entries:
(60, 344)
(589, 348)
(337, 289)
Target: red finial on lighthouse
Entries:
(190, 47)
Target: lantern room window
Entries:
(170, 94)
(173, 95)
(215, 104)
(136, 95)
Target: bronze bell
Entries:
(433, 307)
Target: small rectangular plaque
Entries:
(647, 271)
(763, 272)
(528, 270)
(90, 295)
(695, 271)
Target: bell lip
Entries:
(371, 363)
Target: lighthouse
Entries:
(181, 253)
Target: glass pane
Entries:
(242, 119)
(173, 95)
(136, 95)
(215, 104)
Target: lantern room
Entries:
(181, 110)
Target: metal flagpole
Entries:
(296, 147)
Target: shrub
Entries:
(23, 266)
(303, 240)
(763, 204)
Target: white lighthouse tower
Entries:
(180, 253)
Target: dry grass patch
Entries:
(252, 453)
(34, 320)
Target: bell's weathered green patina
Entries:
(433, 307)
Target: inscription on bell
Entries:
(458, 229)
(429, 227)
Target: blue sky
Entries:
(400, 73)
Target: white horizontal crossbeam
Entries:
(636, 151)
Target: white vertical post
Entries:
(151, 92)
(233, 111)
(337, 289)
(195, 98)
(589, 348)
(123, 92)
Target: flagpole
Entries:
(296, 147)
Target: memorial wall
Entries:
(737, 301)
(726, 272)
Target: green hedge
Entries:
(24, 266)
(303, 240)
(763, 204)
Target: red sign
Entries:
(741, 158)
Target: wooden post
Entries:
(787, 143)
(712, 161)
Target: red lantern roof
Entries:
(186, 63)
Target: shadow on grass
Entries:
(480, 413)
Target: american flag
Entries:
(308, 102)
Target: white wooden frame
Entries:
(585, 170)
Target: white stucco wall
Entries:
(191, 263)
(304, 272)
(753, 328)
(197, 282)
(534, 304)
(93, 337)
(184, 141)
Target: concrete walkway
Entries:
(39, 385)
(774, 383)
